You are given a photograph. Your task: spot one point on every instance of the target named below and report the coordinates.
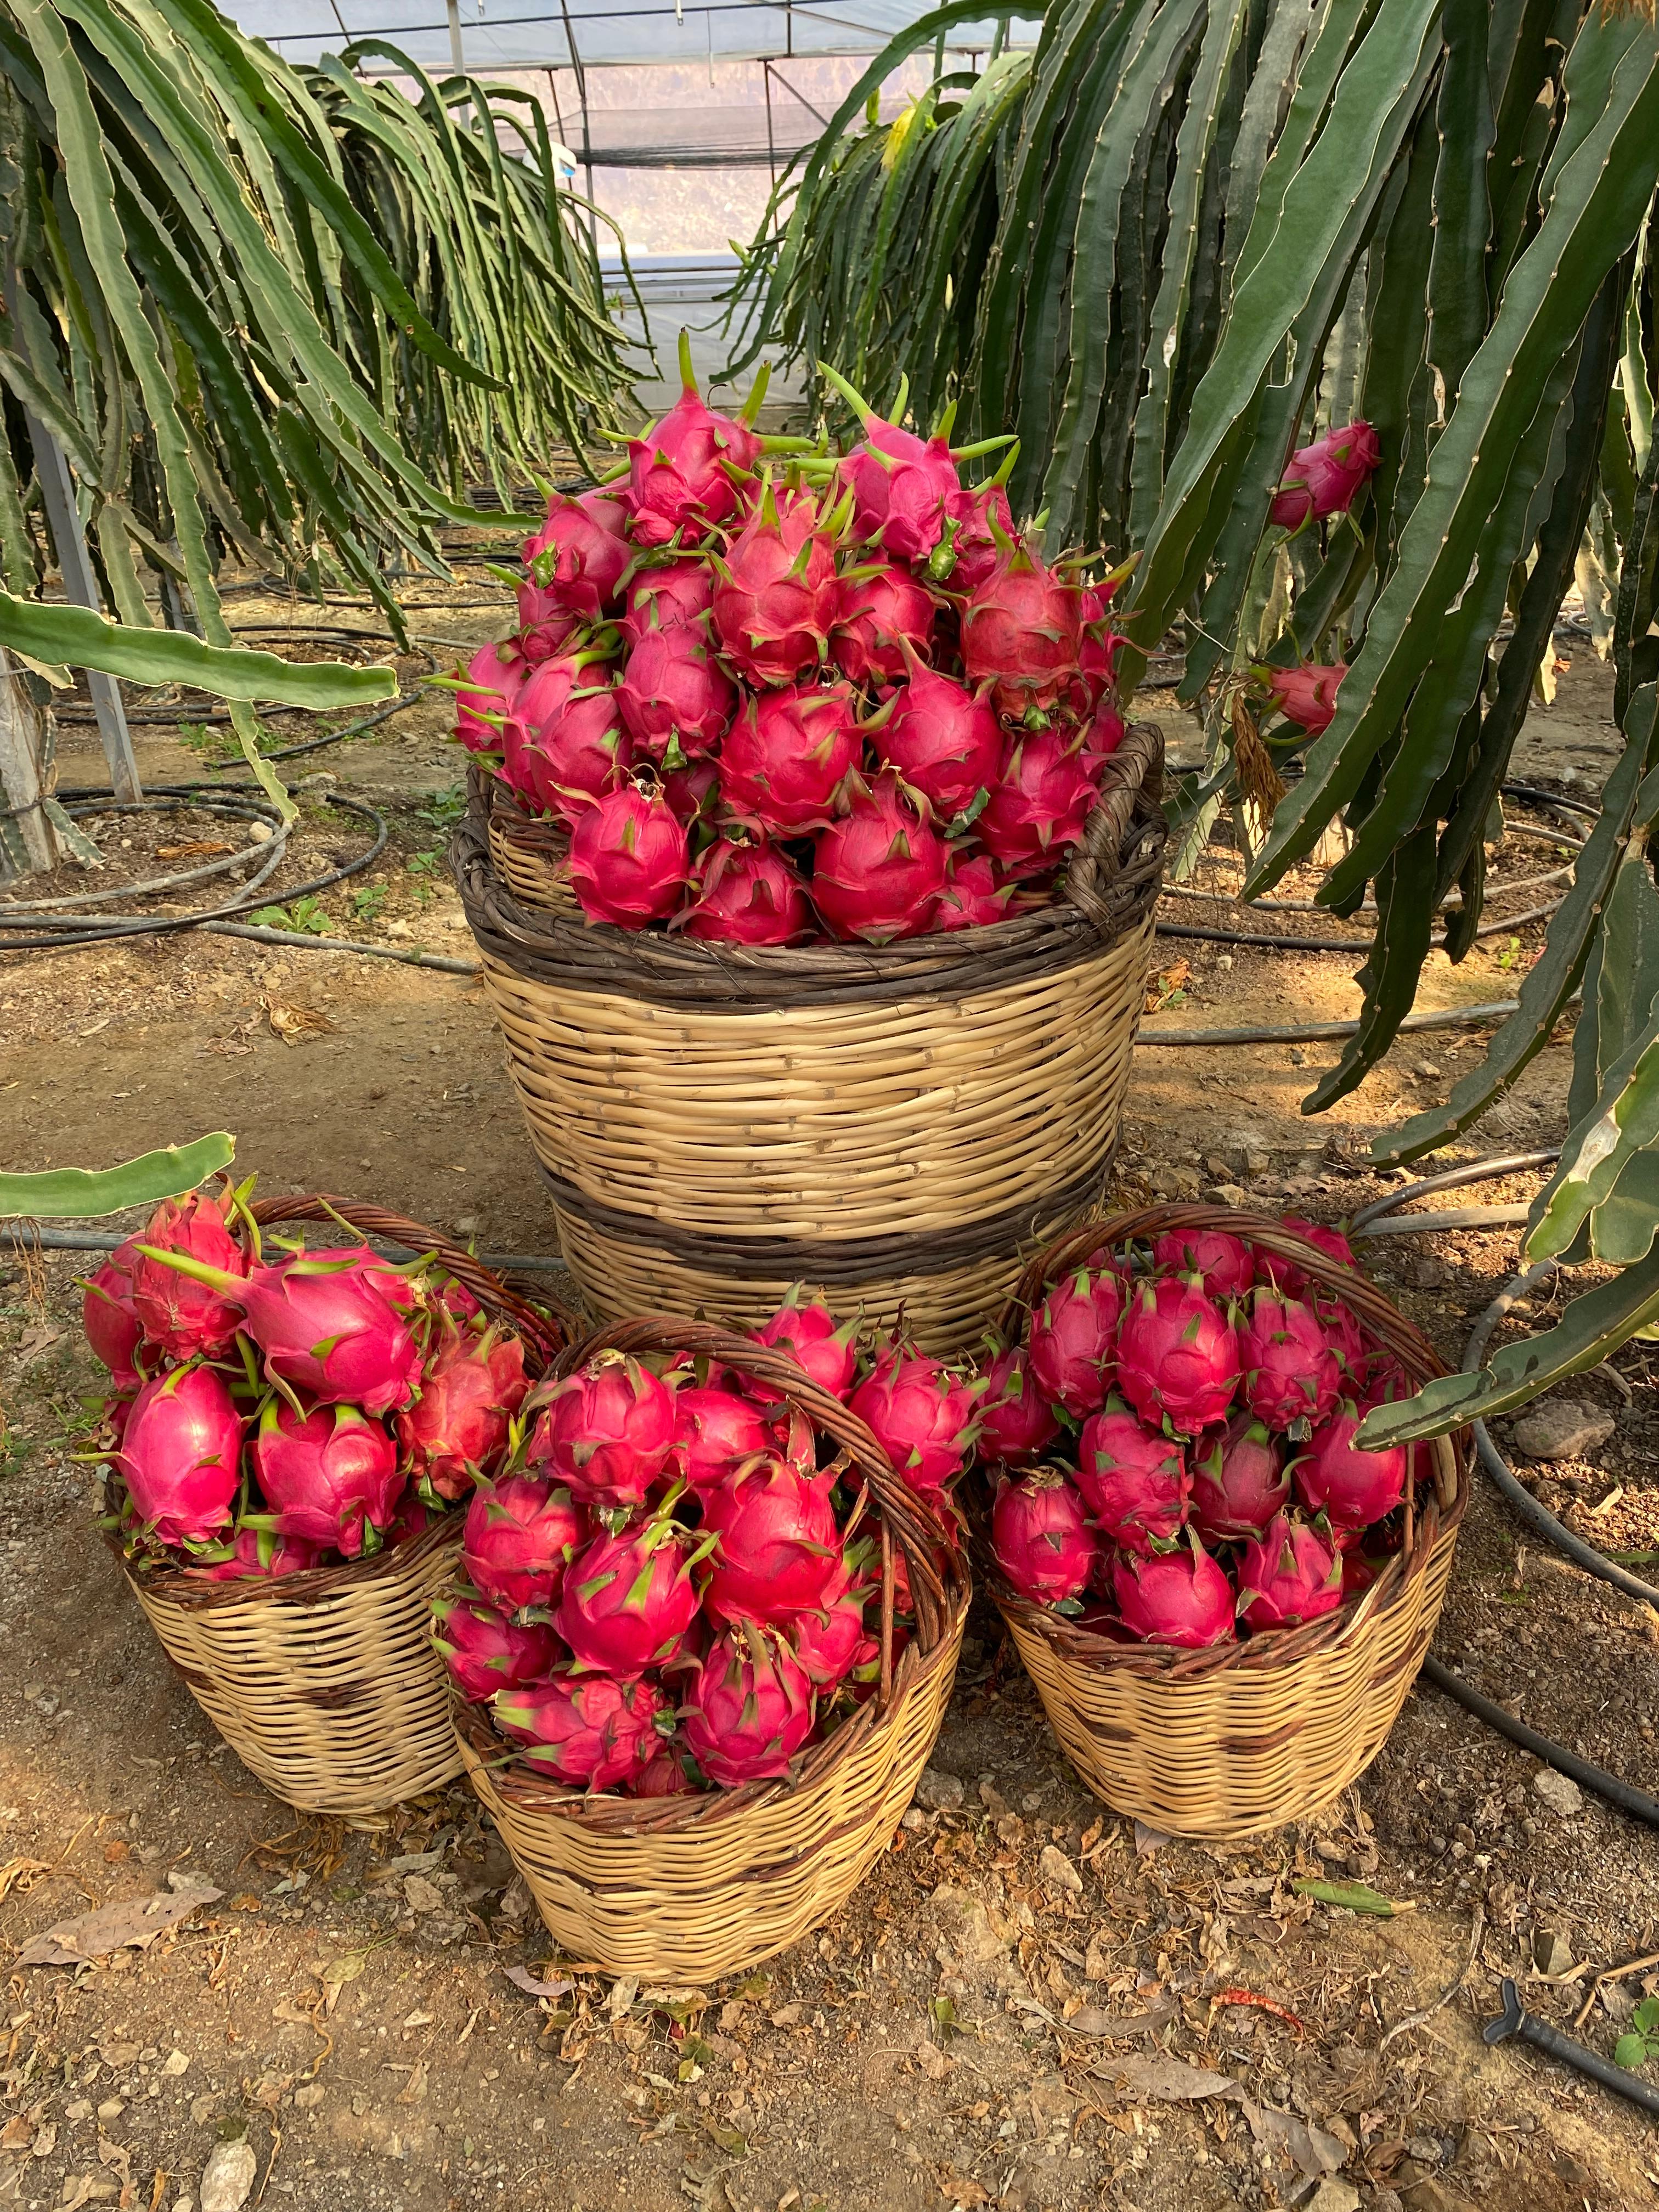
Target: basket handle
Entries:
(1133, 773)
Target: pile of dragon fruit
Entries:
(1173, 1447)
(837, 697)
(676, 1585)
(277, 1409)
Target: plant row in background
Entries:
(840, 696)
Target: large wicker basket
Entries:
(895, 1127)
(685, 1889)
(325, 1684)
(1242, 1737)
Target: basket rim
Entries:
(1272, 1649)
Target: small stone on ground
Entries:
(1565, 1430)
(1558, 1791)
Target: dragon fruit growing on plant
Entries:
(584, 1729)
(1177, 1354)
(328, 1474)
(748, 1708)
(1040, 1534)
(180, 1455)
(1133, 1479)
(486, 1652)
(520, 1536)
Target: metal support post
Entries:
(81, 587)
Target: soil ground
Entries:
(958, 2037)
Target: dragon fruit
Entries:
(1133, 1479)
(883, 619)
(1016, 1421)
(329, 1474)
(1288, 1277)
(663, 1775)
(775, 592)
(1073, 1332)
(900, 484)
(830, 1640)
(1327, 477)
(455, 1433)
(630, 863)
(1226, 1264)
(693, 791)
(972, 897)
(943, 740)
(1105, 733)
(1239, 1481)
(923, 1416)
(786, 756)
(979, 530)
(628, 1600)
(1040, 803)
(1343, 1337)
(681, 473)
(1177, 1355)
(673, 694)
(184, 1315)
(1290, 1371)
(1021, 632)
(546, 626)
(1041, 1535)
(492, 688)
(878, 872)
(112, 1326)
(256, 1549)
(1329, 1241)
(715, 1433)
(577, 559)
(1181, 1597)
(1290, 1574)
(808, 1333)
(1336, 1478)
(747, 893)
(519, 1539)
(662, 598)
(565, 744)
(748, 1708)
(1306, 695)
(180, 1455)
(605, 1433)
(779, 1545)
(584, 1729)
(486, 1652)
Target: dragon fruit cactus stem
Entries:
(1177, 1355)
(606, 1432)
(180, 1455)
(748, 1707)
(519, 1537)
(486, 1652)
(1133, 1479)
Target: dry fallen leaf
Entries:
(198, 849)
(19, 1874)
(533, 1987)
(291, 1022)
(134, 1921)
(1166, 2081)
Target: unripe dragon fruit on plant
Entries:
(884, 618)
(1016, 1421)
(1333, 1476)
(605, 1433)
(329, 1475)
(1225, 1263)
(457, 1429)
(486, 1652)
(1073, 1338)
(1039, 805)
(778, 1547)
(1181, 1597)
(775, 592)
(747, 893)
(628, 1600)
(786, 756)
(629, 859)
(674, 694)
(748, 1708)
(519, 1536)
(1290, 1371)
(944, 739)
(681, 471)
(1291, 1574)
(180, 1455)
(1021, 632)
(1239, 1481)
(1177, 1355)
(1041, 1535)
(186, 1318)
(583, 1729)
(1133, 1479)
(922, 1417)
(878, 872)
(808, 1333)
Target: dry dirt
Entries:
(954, 2039)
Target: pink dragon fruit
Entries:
(748, 1708)
(111, 1324)
(1327, 477)
(1177, 1355)
(682, 473)
(180, 1455)
(565, 744)
(630, 863)
(1105, 733)
(256, 1549)
(455, 1433)
(673, 695)
(486, 1652)
(1226, 1264)
(778, 1547)
(1181, 1597)
(662, 598)
(1016, 1421)
(883, 619)
(900, 484)
(628, 1600)
(1021, 632)
(329, 1474)
(1133, 1479)
(716, 1433)
(1359, 1570)
(972, 897)
(1306, 693)
(747, 893)
(808, 1333)
(1285, 1276)
(1073, 1332)
(1336, 1478)
(519, 1536)
(1039, 805)
(786, 756)
(546, 626)
(1343, 1337)
(663, 1775)
(605, 1433)
(1239, 1481)
(493, 686)
(775, 592)
(830, 1640)
(1329, 1241)
(1096, 659)
(184, 1315)
(921, 1415)
(1291, 1574)
(878, 872)
(577, 558)
(1041, 1535)
(1290, 1371)
(693, 791)
(974, 521)
(583, 1729)
(944, 739)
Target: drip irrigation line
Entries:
(217, 716)
(1367, 905)
(305, 942)
(1486, 1170)
(1457, 1216)
(1452, 1017)
(276, 849)
(1337, 944)
(1636, 1802)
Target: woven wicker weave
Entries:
(529, 852)
(1241, 1737)
(325, 1684)
(895, 1126)
(685, 1889)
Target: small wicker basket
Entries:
(897, 1125)
(685, 1889)
(325, 1684)
(1241, 1737)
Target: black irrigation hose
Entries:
(1486, 1171)
(1628, 1799)
(1336, 944)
